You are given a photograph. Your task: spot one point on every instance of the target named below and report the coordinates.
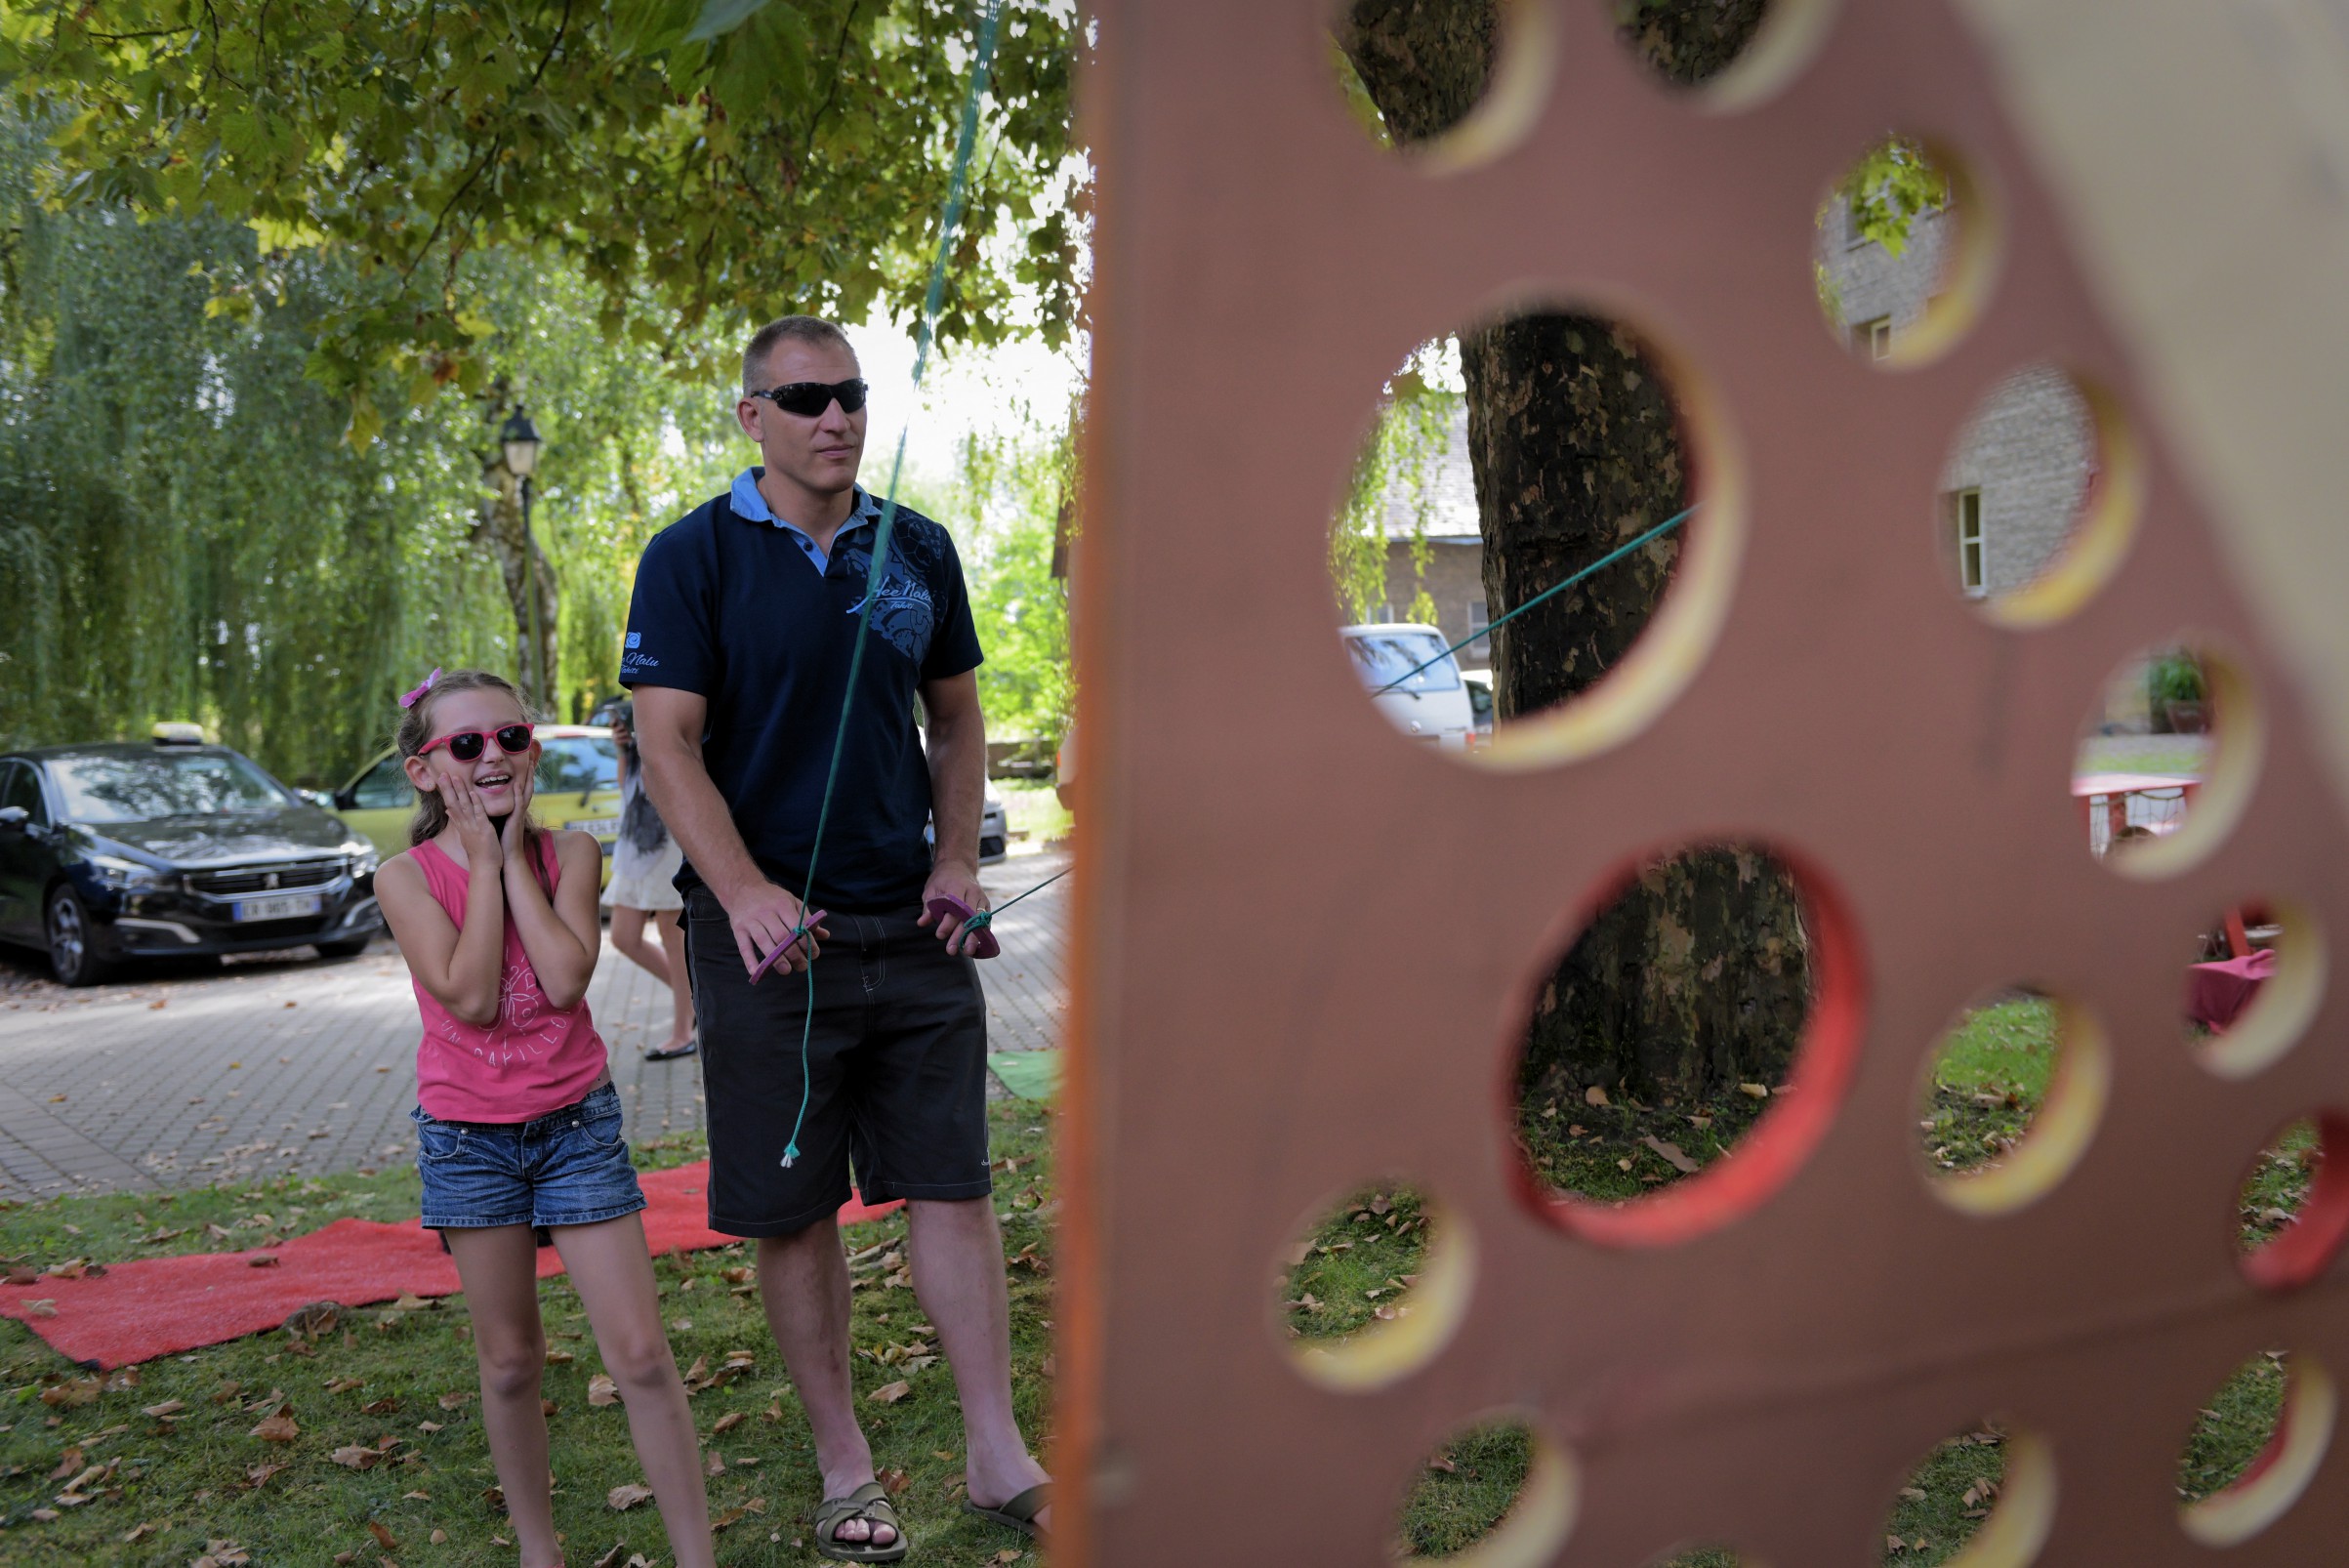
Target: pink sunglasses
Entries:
(467, 745)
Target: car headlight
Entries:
(363, 860)
(128, 876)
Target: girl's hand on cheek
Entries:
(474, 831)
(516, 830)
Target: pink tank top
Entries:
(534, 1060)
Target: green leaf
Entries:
(720, 17)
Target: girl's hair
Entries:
(416, 727)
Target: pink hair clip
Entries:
(416, 696)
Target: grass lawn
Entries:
(1988, 1079)
(180, 1470)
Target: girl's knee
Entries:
(640, 1361)
(511, 1368)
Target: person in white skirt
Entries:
(644, 865)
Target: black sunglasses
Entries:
(465, 744)
(809, 398)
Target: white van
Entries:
(1429, 704)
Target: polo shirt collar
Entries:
(751, 507)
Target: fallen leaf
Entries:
(728, 1422)
(356, 1458)
(1624, 1164)
(345, 1385)
(1755, 1091)
(427, 1428)
(259, 1474)
(380, 1407)
(45, 1308)
(455, 1400)
(893, 1482)
(51, 1517)
(611, 1557)
(1916, 1493)
(889, 1393)
(602, 1390)
(382, 1535)
(165, 1409)
(718, 1464)
(1594, 1095)
(730, 1517)
(1673, 1156)
(439, 1538)
(278, 1429)
(139, 1532)
(548, 1407)
(559, 1358)
(262, 1261)
(627, 1495)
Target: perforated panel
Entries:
(1307, 948)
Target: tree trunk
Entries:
(1697, 978)
(498, 522)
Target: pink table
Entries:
(2217, 993)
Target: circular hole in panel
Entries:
(2253, 988)
(2010, 1098)
(2255, 1448)
(1905, 253)
(2294, 1203)
(2166, 765)
(2040, 498)
(1688, 1052)
(1983, 1499)
(1497, 1494)
(1603, 583)
(1730, 55)
(1450, 87)
(1373, 1288)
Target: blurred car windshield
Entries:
(141, 789)
(1381, 658)
(579, 764)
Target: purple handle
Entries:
(981, 942)
(767, 962)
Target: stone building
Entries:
(2019, 471)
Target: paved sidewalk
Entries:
(204, 1074)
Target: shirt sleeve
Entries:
(953, 647)
(671, 616)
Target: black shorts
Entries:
(897, 1072)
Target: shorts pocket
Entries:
(604, 1127)
(435, 1141)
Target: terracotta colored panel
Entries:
(1304, 947)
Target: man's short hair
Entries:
(797, 328)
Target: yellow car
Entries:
(577, 786)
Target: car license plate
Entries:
(603, 827)
(285, 906)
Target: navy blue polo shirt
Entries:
(743, 609)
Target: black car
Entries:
(111, 852)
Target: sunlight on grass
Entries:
(1990, 1077)
(1031, 808)
(403, 1383)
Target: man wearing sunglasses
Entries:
(740, 641)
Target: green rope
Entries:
(964, 146)
(1607, 559)
(985, 918)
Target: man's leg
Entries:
(803, 1284)
(958, 1259)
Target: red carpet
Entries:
(156, 1306)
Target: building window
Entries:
(1874, 338)
(1478, 619)
(1966, 505)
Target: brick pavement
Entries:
(203, 1073)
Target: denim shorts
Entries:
(566, 1167)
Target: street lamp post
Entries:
(521, 440)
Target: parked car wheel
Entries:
(72, 944)
(349, 947)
